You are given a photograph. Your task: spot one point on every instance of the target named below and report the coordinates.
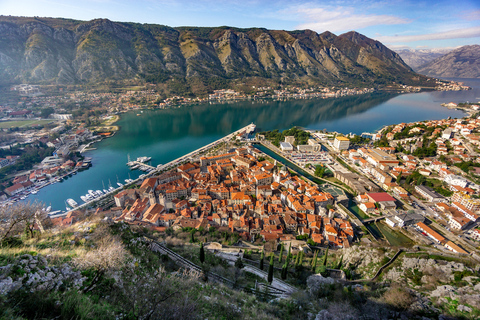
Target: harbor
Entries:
(98, 195)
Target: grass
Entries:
(22, 123)
(60, 247)
(393, 237)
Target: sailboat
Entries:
(110, 188)
(119, 184)
(104, 190)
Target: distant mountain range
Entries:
(463, 62)
(63, 51)
(419, 57)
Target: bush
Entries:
(398, 297)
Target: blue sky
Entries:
(396, 23)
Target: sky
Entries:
(414, 24)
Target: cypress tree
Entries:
(300, 259)
(297, 259)
(192, 240)
(314, 266)
(284, 271)
(339, 265)
(325, 259)
(281, 254)
(270, 270)
(289, 255)
(261, 260)
(202, 253)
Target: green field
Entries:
(395, 238)
(22, 123)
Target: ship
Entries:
(72, 203)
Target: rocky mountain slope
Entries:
(47, 50)
(463, 62)
(418, 57)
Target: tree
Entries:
(156, 295)
(314, 262)
(300, 260)
(192, 239)
(339, 265)
(21, 217)
(109, 255)
(46, 112)
(284, 271)
(409, 179)
(202, 253)
(319, 171)
(261, 260)
(289, 255)
(281, 254)
(420, 180)
(239, 263)
(399, 178)
(270, 270)
(325, 259)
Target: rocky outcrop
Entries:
(33, 274)
(67, 51)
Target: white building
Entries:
(285, 146)
(341, 143)
(62, 116)
(447, 133)
(455, 180)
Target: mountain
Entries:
(63, 51)
(418, 57)
(463, 62)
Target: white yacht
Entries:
(72, 203)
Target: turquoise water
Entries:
(167, 134)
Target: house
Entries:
(455, 248)
(430, 232)
(476, 234)
(407, 219)
(459, 223)
(429, 194)
(383, 199)
(367, 207)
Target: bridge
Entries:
(367, 221)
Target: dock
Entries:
(141, 164)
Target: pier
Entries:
(141, 164)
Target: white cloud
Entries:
(452, 34)
(342, 19)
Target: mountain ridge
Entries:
(64, 51)
(416, 58)
(463, 62)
